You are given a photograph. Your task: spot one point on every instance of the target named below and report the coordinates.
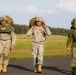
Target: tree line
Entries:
(22, 29)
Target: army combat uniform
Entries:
(38, 38)
(72, 39)
(7, 39)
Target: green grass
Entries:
(54, 46)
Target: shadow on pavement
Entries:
(19, 67)
(57, 69)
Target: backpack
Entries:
(32, 22)
(73, 21)
(10, 20)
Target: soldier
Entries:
(38, 33)
(7, 42)
(72, 39)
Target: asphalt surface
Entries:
(51, 66)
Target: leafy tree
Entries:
(22, 29)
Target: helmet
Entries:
(3, 18)
(73, 21)
(39, 19)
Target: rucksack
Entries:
(73, 21)
(10, 20)
(32, 22)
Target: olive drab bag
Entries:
(73, 21)
(6, 29)
(10, 20)
(32, 22)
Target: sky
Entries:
(55, 13)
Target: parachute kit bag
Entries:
(32, 22)
(10, 20)
(73, 21)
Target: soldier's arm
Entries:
(47, 31)
(13, 35)
(69, 39)
(30, 32)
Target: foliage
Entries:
(59, 31)
(22, 29)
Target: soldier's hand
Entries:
(12, 46)
(44, 25)
(68, 49)
(34, 28)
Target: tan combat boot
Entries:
(4, 68)
(0, 68)
(40, 68)
(36, 69)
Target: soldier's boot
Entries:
(40, 68)
(36, 69)
(4, 68)
(0, 68)
(73, 72)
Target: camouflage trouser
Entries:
(73, 62)
(4, 51)
(37, 52)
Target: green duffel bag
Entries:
(32, 22)
(10, 20)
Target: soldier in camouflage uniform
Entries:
(7, 42)
(72, 39)
(38, 33)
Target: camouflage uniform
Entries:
(72, 39)
(6, 40)
(38, 38)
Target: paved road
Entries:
(52, 66)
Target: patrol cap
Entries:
(39, 19)
(3, 18)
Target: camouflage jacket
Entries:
(7, 34)
(39, 35)
(71, 38)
